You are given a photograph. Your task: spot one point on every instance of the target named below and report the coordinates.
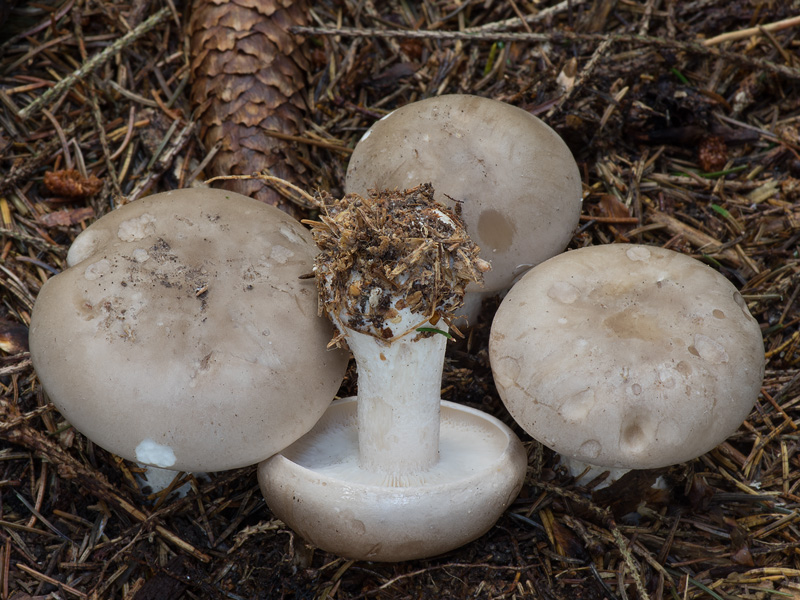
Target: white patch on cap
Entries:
(577, 407)
(563, 291)
(153, 453)
(668, 376)
(84, 246)
(280, 254)
(507, 371)
(366, 135)
(137, 228)
(97, 269)
(638, 253)
(710, 350)
(590, 449)
(140, 255)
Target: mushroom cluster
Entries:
(626, 357)
(195, 313)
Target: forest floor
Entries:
(684, 118)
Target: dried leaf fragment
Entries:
(66, 218)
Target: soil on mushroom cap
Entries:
(409, 253)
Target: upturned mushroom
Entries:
(395, 473)
(626, 357)
(512, 177)
(181, 335)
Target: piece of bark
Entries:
(248, 76)
(595, 19)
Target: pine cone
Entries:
(248, 74)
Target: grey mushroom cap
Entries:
(515, 179)
(181, 335)
(627, 356)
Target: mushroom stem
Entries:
(380, 477)
(399, 394)
(392, 270)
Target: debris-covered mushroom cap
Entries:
(515, 179)
(627, 356)
(391, 253)
(182, 336)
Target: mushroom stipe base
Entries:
(317, 487)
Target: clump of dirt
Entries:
(390, 252)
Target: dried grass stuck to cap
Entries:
(388, 252)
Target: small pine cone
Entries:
(248, 75)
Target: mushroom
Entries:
(626, 357)
(395, 473)
(182, 336)
(511, 176)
